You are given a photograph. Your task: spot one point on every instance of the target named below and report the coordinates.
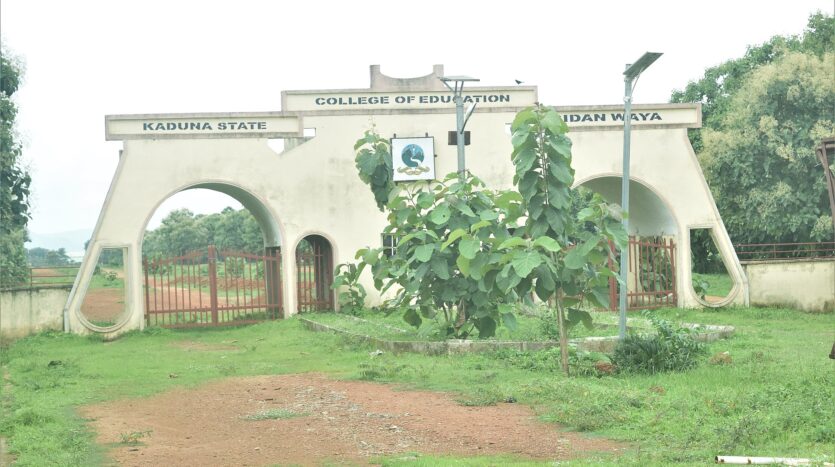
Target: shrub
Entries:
(671, 349)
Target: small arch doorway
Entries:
(314, 263)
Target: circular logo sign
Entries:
(412, 155)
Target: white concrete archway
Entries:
(312, 186)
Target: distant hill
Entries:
(70, 240)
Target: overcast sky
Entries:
(85, 59)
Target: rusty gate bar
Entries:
(652, 274)
(314, 268)
(173, 282)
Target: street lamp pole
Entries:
(630, 78)
(460, 119)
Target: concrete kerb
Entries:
(705, 333)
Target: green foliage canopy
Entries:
(764, 114)
(182, 231)
(14, 179)
(761, 162)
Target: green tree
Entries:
(46, 257)
(461, 254)
(760, 162)
(716, 88)
(181, 231)
(14, 179)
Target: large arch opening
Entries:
(215, 265)
(653, 240)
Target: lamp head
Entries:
(457, 78)
(642, 64)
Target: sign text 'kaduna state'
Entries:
(203, 126)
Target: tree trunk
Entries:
(563, 334)
(462, 316)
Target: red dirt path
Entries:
(338, 421)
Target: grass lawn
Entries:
(719, 285)
(777, 397)
(529, 327)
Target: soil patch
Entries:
(309, 419)
(104, 304)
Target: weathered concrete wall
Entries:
(28, 311)
(803, 284)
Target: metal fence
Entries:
(651, 276)
(784, 251)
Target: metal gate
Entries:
(211, 288)
(314, 263)
(651, 280)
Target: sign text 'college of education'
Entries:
(408, 99)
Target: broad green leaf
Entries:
(440, 267)
(554, 123)
(547, 243)
(562, 145)
(526, 116)
(525, 261)
(509, 320)
(486, 327)
(424, 252)
(585, 214)
(538, 228)
(477, 264)
(512, 242)
(425, 200)
(561, 172)
(577, 316)
(440, 215)
(463, 265)
(524, 161)
(505, 308)
(574, 260)
(466, 210)
(505, 199)
(478, 225)
(468, 247)
(588, 245)
(370, 257)
(488, 215)
(360, 253)
(600, 297)
(555, 219)
(453, 236)
(412, 317)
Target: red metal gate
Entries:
(211, 288)
(651, 279)
(314, 262)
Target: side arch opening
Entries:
(314, 266)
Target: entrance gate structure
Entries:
(308, 186)
(212, 288)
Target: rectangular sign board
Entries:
(413, 159)
(233, 125)
(365, 100)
